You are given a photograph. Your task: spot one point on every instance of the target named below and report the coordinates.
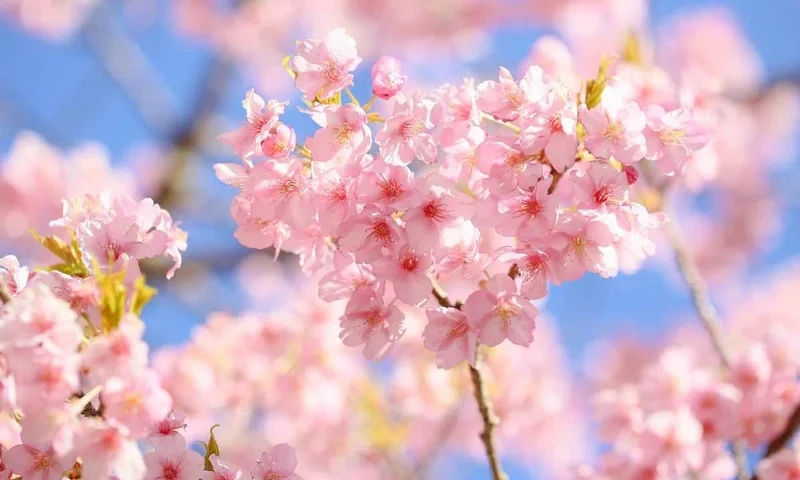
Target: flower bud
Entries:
(386, 77)
(279, 142)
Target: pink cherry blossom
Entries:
(36, 464)
(388, 186)
(347, 277)
(553, 131)
(407, 272)
(451, 335)
(278, 142)
(672, 137)
(174, 461)
(5, 471)
(222, 471)
(136, 402)
(505, 99)
(371, 235)
(534, 270)
(599, 185)
(324, 67)
(406, 134)
(529, 214)
(118, 354)
(14, 276)
(367, 321)
(387, 79)
(584, 245)
(501, 313)
(344, 137)
(168, 427)
(261, 118)
(279, 463)
(280, 192)
(614, 128)
(104, 449)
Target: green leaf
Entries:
(212, 448)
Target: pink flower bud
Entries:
(386, 77)
(631, 173)
(279, 142)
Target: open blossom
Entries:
(387, 186)
(36, 464)
(501, 313)
(387, 79)
(136, 402)
(173, 460)
(344, 136)
(407, 272)
(37, 317)
(104, 449)
(262, 117)
(325, 67)
(614, 128)
(585, 245)
(371, 235)
(450, 334)
(279, 463)
(12, 275)
(117, 354)
(347, 276)
(406, 134)
(367, 321)
(222, 471)
(504, 98)
(553, 131)
(529, 213)
(280, 191)
(672, 137)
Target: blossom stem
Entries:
(484, 404)
(352, 97)
(369, 103)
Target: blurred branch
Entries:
(783, 438)
(127, 65)
(5, 295)
(700, 297)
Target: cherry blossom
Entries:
(501, 313)
(387, 80)
(278, 463)
(451, 335)
(324, 67)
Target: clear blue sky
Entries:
(60, 91)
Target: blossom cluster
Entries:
(491, 189)
(76, 390)
(667, 412)
(285, 372)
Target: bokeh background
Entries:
(153, 83)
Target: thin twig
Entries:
(489, 421)
(701, 301)
(484, 404)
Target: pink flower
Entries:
(221, 471)
(614, 129)
(407, 271)
(460, 251)
(387, 80)
(280, 192)
(390, 187)
(347, 277)
(554, 132)
(324, 67)
(501, 313)
(534, 270)
(336, 201)
(440, 208)
(530, 214)
(167, 427)
(172, 460)
(584, 243)
(261, 118)
(451, 335)
(506, 164)
(136, 402)
(405, 135)
(345, 136)
(37, 317)
(278, 142)
(104, 449)
(505, 99)
(13, 275)
(34, 464)
(367, 321)
(255, 232)
(120, 353)
(279, 463)
(5, 471)
(371, 235)
(784, 465)
(43, 379)
(672, 137)
(674, 439)
(598, 185)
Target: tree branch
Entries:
(5, 295)
(484, 404)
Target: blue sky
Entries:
(60, 91)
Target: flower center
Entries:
(344, 135)
(41, 461)
(331, 71)
(434, 210)
(170, 471)
(411, 128)
(380, 231)
(602, 195)
(670, 136)
(391, 188)
(614, 131)
(505, 311)
(410, 262)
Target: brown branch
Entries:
(5, 295)
(783, 438)
(489, 421)
(484, 404)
